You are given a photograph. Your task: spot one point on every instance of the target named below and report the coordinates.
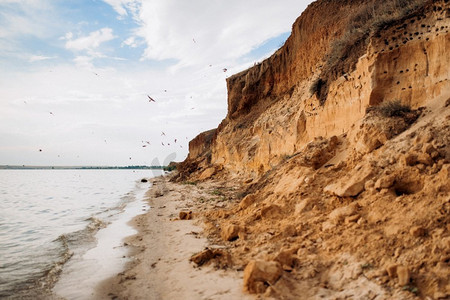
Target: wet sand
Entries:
(87, 269)
(160, 252)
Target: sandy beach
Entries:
(163, 246)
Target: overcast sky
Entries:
(75, 74)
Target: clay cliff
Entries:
(338, 145)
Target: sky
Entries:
(75, 75)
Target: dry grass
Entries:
(392, 109)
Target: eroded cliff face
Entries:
(272, 113)
(341, 189)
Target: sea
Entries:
(62, 231)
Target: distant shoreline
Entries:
(25, 167)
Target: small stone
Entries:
(286, 257)
(410, 159)
(424, 158)
(271, 212)
(403, 275)
(259, 274)
(337, 215)
(385, 182)
(392, 271)
(185, 215)
(428, 148)
(353, 186)
(202, 257)
(207, 173)
(288, 230)
(352, 219)
(301, 206)
(230, 232)
(247, 201)
(417, 231)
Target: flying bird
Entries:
(175, 141)
(162, 133)
(150, 99)
(194, 40)
(51, 113)
(144, 146)
(225, 69)
(162, 143)
(40, 150)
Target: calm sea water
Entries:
(48, 215)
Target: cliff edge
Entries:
(338, 145)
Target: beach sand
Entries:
(160, 252)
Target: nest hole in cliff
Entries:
(407, 188)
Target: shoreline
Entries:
(159, 266)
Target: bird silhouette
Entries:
(162, 133)
(225, 69)
(175, 141)
(150, 99)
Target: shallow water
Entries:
(46, 216)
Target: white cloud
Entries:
(90, 42)
(35, 58)
(131, 42)
(122, 7)
(203, 31)
(26, 17)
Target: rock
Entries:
(271, 212)
(247, 201)
(409, 159)
(399, 271)
(392, 271)
(352, 219)
(144, 180)
(417, 231)
(350, 187)
(185, 215)
(286, 257)
(207, 173)
(444, 173)
(337, 215)
(288, 230)
(424, 158)
(403, 275)
(202, 257)
(301, 206)
(259, 274)
(230, 232)
(385, 182)
(428, 148)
